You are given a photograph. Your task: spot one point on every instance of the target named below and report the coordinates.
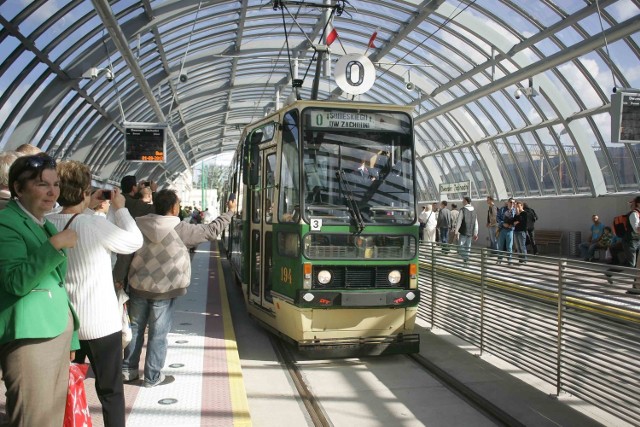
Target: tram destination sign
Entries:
(145, 142)
(358, 120)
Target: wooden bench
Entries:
(549, 237)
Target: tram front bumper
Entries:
(321, 298)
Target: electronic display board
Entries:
(625, 116)
(145, 142)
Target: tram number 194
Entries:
(285, 275)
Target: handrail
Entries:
(557, 318)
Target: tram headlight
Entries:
(394, 277)
(324, 277)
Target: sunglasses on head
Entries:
(41, 162)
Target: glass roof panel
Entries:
(461, 98)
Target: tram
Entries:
(325, 239)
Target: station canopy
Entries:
(512, 97)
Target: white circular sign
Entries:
(355, 73)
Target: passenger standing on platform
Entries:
(160, 272)
(136, 207)
(520, 223)
(631, 241)
(6, 160)
(436, 211)
(89, 283)
(492, 223)
(504, 218)
(454, 220)
(444, 222)
(430, 225)
(422, 219)
(588, 248)
(466, 228)
(532, 217)
(37, 320)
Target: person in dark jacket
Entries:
(136, 207)
(520, 222)
(532, 217)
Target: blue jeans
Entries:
(505, 242)
(521, 244)
(444, 234)
(464, 246)
(158, 314)
(493, 238)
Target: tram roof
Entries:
(465, 59)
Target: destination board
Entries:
(145, 142)
(357, 120)
(625, 117)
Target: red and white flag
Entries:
(332, 34)
(372, 39)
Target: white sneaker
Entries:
(128, 376)
(163, 380)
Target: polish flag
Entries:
(372, 39)
(332, 35)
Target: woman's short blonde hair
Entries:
(6, 160)
(75, 182)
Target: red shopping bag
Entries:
(76, 413)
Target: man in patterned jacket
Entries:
(160, 272)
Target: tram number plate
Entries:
(316, 224)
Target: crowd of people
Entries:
(511, 227)
(59, 293)
(508, 226)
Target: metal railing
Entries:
(570, 323)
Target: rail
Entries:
(568, 322)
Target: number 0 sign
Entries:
(355, 73)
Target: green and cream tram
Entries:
(325, 241)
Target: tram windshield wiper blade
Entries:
(354, 210)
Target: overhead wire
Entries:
(606, 44)
(441, 26)
(115, 81)
(184, 57)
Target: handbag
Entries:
(76, 411)
(126, 322)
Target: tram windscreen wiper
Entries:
(354, 210)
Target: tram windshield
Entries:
(358, 167)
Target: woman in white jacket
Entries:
(430, 225)
(89, 279)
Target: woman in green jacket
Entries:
(36, 319)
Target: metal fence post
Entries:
(483, 286)
(562, 265)
(433, 285)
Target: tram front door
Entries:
(262, 230)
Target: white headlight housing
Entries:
(394, 277)
(324, 277)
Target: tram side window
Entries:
(256, 193)
(269, 187)
(289, 202)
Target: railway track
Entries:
(319, 417)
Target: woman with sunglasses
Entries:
(37, 320)
(89, 280)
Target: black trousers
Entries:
(531, 234)
(105, 356)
